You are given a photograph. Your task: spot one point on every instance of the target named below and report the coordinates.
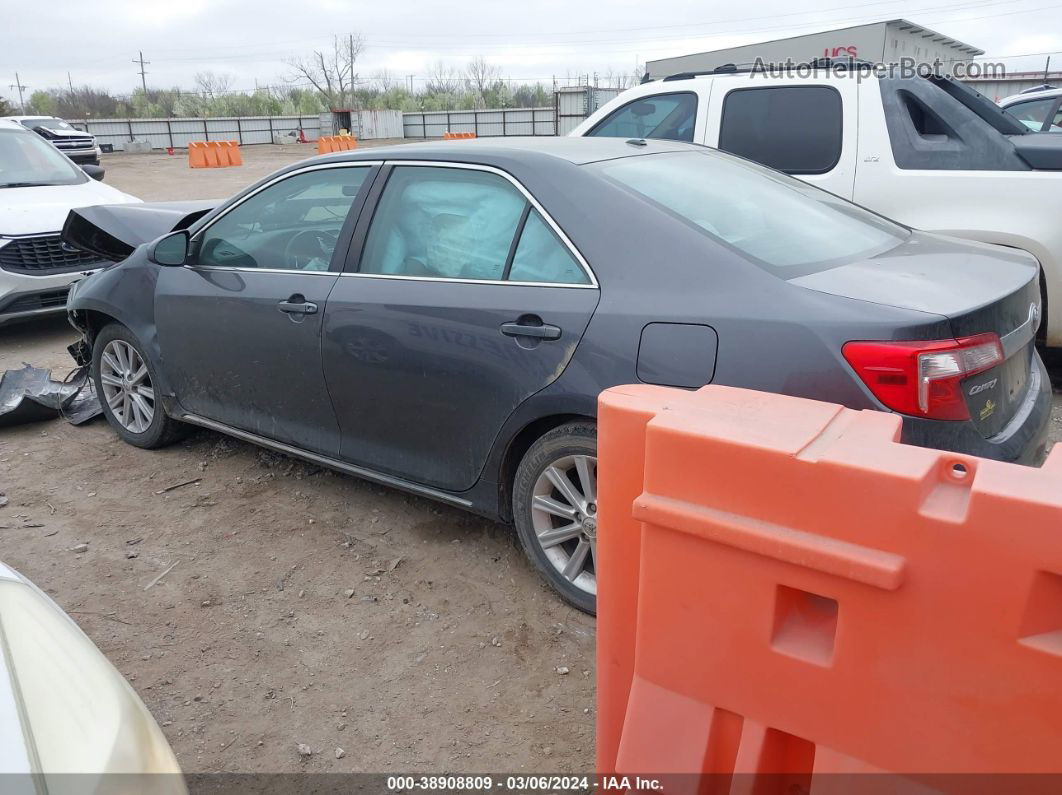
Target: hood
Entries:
(115, 231)
(71, 133)
(35, 211)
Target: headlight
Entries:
(79, 715)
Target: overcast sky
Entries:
(250, 39)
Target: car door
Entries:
(462, 299)
(240, 327)
(806, 129)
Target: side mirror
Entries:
(96, 172)
(171, 250)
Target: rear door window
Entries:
(448, 223)
(669, 116)
(541, 257)
(796, 129)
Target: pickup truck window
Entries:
(796, 129)
(777, 221)
(670, 116)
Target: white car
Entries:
(64, 708)
(1039, 109)
(38, 187)
(929, 152)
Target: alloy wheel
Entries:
(127, 387)
(564, 517)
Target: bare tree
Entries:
(442, 79)
(383, 80)
(480, 77)
(331, 72)
(211, 84)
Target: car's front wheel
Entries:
(125, 384)
(555, 510)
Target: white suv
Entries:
(928, 152)
(38, 187)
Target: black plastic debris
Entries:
(30, 394)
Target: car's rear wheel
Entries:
(125, 383)
(555, 511)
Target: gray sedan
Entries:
(441, 317)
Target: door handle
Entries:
(541, 332)
(297, 305)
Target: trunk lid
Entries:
(980, 289)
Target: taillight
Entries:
(923, 378)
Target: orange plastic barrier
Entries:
(214, 154)
(451, 136)
(786, 589)
(336, 143)
(232, 152)
(197, 155)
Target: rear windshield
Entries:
(773, 219)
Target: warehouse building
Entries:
(880, 42)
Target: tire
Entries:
(129, 404)
(559, 472)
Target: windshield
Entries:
(28, 160)
(773, 219)
(48, 122)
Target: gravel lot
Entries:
(300, 606)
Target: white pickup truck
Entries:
(928, 152)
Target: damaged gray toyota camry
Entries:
(441, 317)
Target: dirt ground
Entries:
(271, 603)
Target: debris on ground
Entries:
(30, 394)
(180, 485)
(79, 548)
(305, 750)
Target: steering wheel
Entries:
(309, 245)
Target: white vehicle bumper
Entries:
(30, 294)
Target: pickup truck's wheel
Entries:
(125, 384)
(555, 511)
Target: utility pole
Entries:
(143, 74)
(70, 82)
(1047, 68)
(18, 84)
(350, 43)
(411, 83)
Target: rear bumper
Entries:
(1022, 441)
